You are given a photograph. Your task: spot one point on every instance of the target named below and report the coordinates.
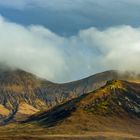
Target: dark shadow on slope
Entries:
(56, 114)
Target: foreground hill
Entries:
(111, 112)
(114, 107)
(23, 94)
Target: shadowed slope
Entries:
(116, 106)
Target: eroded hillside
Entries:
(20, 90)
(114, 107)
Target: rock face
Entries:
(116, 105)
(17, 86)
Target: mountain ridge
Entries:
(115, 106)
(18, 86)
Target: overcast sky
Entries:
(65, 40)
(67, 17)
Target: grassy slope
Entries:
(17, 86)
(99, 111)
(107, 109)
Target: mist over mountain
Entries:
(69, 69)
(38, 50)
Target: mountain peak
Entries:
(117, 98)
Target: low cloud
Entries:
(60, 59)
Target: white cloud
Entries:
(60, 59)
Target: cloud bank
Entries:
(60, 59)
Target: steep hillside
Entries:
(17, 86)
(24, 111)
(114, 107)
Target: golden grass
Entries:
(4, 111)
(25, 108)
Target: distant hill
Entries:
(18, 87)
(113, 107)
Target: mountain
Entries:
(113, 107)
(20, 90)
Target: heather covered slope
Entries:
(114, 107)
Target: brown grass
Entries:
(4, 111)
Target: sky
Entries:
(66, 40)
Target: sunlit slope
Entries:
(18, 86)
(116, 106)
